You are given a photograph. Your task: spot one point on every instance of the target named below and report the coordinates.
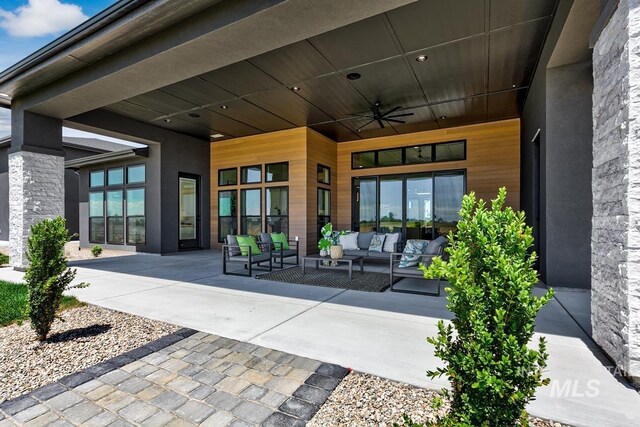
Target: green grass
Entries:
(14, 303)
(4, 259)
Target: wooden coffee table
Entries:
(346, 259)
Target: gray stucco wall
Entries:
(568, 176)
(4, 195)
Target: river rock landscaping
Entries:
(83, 337)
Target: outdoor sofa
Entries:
(431, 249)
(364, 240)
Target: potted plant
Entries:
(333, 239)
(324, 245)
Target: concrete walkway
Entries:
(378, 333)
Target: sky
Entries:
(28, 25)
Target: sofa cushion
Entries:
(403, 271)
(281, 240)
(390, 241)
(233, 241)
(349, 241)
(364, 239)
(357, 252)
(250, 241)
(436, 246)
(412, 250)
(377, 242)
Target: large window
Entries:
(227, 213)
(250, 221)
(440, 152)
(324, 208)
(276, 172)
(251, 174)
(135, 217)
(277, 210)
(96, 217)
(422, 206)
(115, 217)
(227, 177)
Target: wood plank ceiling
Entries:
(480, 61)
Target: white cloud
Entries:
(41, 18)
(5, 122)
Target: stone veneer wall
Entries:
(36, 192)
(615, 245)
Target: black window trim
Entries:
(126, 212)
(104, 224)
(432, 146)
(320, 165)
(220, 236)
(106, 217)
(235, 170)
(266, 216)
(252, 182)
(266, 165)
(242, 231)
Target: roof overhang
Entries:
(106, 157)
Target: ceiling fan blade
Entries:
(392, 110)
(380, 123)
(395, 121)
(365, 125)
(366, 116)
(401, 115)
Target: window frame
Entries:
(107, 217)
(221, 237)
(104, 223)
(104, 178)
(144, 180)
(431, 146)
(267, 216)
(122, 184)
(127, 216)
(327, 168)
(235, 170)
(242, 182)
(266, 178)
(242, 204)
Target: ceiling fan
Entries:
(381, 117)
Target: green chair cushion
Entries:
(245, 241)
(280, 238)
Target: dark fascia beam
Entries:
(228, 32)
(106, 157)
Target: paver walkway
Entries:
(186, 378)
(377, 333)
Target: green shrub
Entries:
(4, 259)
(96, 250)
(47, 276)
(492, 371)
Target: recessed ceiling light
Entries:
(216, 135)
(353, 76)
(442, 117)
(194, 115)
(223, 107)
(513, 85)
(295, 88)
(167, 120)
(421, 58)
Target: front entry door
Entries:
(189, 220)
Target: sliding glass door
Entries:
(422, 206)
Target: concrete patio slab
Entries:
(379, 333)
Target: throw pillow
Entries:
(411, 254)
(390, 241)
(434, 246)
(377, 241)
(250, 241)
(364, 239)
(349, 241)
(280, 239)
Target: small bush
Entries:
(96, 250)
(4, 259)
(492, 371)
(47, 276)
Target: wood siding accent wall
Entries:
(322, 150)
(288, 145)
(493, 161)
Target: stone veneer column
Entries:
(36, 192)
(615, 243)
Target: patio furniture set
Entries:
(274, 248)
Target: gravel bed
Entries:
(367, 400)
(73, 252)
(88, 335)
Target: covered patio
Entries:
(378, 333)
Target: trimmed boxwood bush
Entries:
(47, 275)
(492, 369)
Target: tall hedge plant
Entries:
(492, 366)
(47, 276)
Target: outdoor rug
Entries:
(328, 278)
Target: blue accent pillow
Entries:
(411, 254)
(377, 242)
